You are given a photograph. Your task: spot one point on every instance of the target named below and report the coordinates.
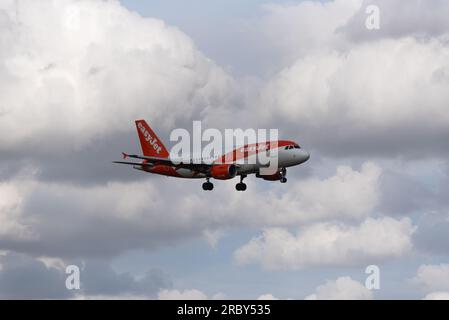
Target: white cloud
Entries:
(212, 237)
(55, 263)
(380, 95)
(77, 71)
(182, 295)
(191, 294)
(329, 244)
(348, 194)
(111, 297)
(374, 97)
(440, 295)
(44, 209)
(10, 208)
(363, 68)
(432, 277)
(299, 29)
(344, 288)
(267, 296)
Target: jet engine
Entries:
(223, 172)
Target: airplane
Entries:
(157, 160)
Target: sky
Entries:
(371, 106)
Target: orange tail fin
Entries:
(152, 146)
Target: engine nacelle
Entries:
(275, 177)
(223, 172)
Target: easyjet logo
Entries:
(260, 147)
(151, 140)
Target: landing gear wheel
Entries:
(240, 186)
(208, 186)
(284, 173)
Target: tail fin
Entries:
(152, 146)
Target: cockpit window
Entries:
(297, 147)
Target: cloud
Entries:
(73, 79)
(25, 277)
(182, 295)
(329, 244)
(9, 205)
(383, 98)
(403, 193)
(298, 29)
(432, 277)
(99, 279)
(433, 232)
(22, 277)
(62, 220)
(347, 194)
(267, 296)
(344, 288)
(437, 296)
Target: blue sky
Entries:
(218, 28)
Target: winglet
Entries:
(124, 155)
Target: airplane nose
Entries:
(305, 156)
(300, 156)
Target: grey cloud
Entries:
(403, 195)
(153, 74)
(360, 103)
(25, 277)
(94, 221)
(22, 277)
(61, 220)
(432, 236)
(98, 278)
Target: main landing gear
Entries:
(208, 186)
(241, 186)
(283, 175)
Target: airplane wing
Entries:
(166, 161)
(134, 163)
(151, 161)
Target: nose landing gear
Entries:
(241, 186)
(283, 175)
(208, 186)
